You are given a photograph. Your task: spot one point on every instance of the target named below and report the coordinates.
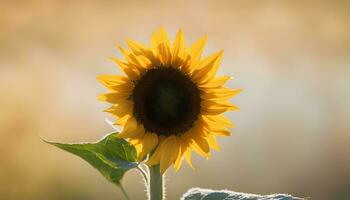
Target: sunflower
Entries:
(169, 103)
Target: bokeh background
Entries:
(292, 58)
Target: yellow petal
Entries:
(188, 157)
(154, 43)
(150, 141)
(137, 133)
(207, 68)
(146, 62)
(195, 52)
(163, 46)
(213, 110)
(112, 80)
(121, 121)
(179, 158)
(121, 109)
(211, 70)
(114, 97)
(133, 60)
(212, 142)
(138, 147)
(137, 141)
(137, 47)
(140, 49)
(126, 86)
(220, 93)
(222, 133)
(220, 120)
(129, 128)
(169, 153)
(216, 108)
(209, 61)
(216, 82)
(202, 144)
(178, 163)
(123, 87)
(196, 141)
(199, 151)
(214, 128)
(155, 157)
(130, 70)
(178, 49)
(218, 104)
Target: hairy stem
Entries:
(155, 183)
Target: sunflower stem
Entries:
(155, 183)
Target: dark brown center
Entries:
(166, 101)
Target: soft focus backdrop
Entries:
(292, 58)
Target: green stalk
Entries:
(155, 183)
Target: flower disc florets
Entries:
(166, 101)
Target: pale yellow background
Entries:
(292, 58)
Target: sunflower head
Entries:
(169, 102)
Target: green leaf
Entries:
(206, 194)
(111, 156)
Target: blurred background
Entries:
(292, 58)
